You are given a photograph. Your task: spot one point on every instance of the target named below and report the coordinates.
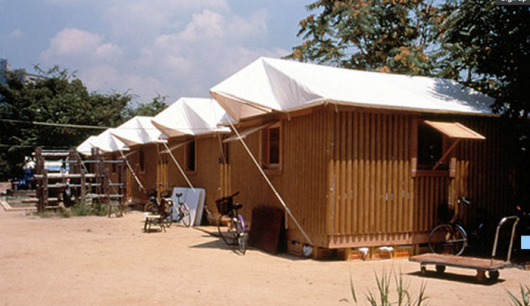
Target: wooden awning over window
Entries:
(454, 130)
(247, 132)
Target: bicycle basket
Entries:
(222, 207)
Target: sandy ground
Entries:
(110, 261)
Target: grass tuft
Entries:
(525, 297)
(385, 296)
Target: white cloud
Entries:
(79, 44)
(145, 19)
(107, 78)
(208, 49)
(173, 48)
(16, 33)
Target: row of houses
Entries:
(354, 159)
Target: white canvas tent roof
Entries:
(85, 147)
(268, 85)
(191, 116)
(108, 143)
(138, 130)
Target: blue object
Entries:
(525, 242)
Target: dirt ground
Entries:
(110, 261)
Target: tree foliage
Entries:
(491, 44)
(149, 109)
(57, 98)
(373, 35)
(477, 43)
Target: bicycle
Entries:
(451, 237)
(235, 233)
(183, 211)
(160, 208)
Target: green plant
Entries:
(79, 209)
(384, 296)
(525, 297)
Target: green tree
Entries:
(149, 109)
(57, 98)
(487, 46)
(374, 35)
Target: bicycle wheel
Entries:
(167, 220)
(228, 234)
(150, 207)
(241, 234)
(448, 239)
(184, 215)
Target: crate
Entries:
(295, 248)
(382, 253)
(403, 251)
(352, 254)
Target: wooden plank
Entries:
(384, 174)
(330, 174)
(366, 202)
(356, 174)
(395, 178)
(372, 174)
(336, 175)
(401, 180)
(407, 177)
(343, 191)
(362, 157)
(349, 175)
(459, 261)
(378, 179)
(267, 228)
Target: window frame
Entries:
(187, 147)
(265, 149)
(141, 160)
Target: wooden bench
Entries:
(151, 219)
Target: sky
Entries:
(171, 48)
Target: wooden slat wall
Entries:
(372, 186)
(482, 173)
(209, 174)
(484, 169)
(302, 181)
(429, 193)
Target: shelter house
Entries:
(194, 154)
(361, 159)
(144, 141)
(108, 148)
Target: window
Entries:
(142, 160)
(271, 154)
(114, 159)
(437, 140)
(430, 146)
(191, 157)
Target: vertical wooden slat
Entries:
(367, 177)
(378, 180)
(349, 174)
(400, 191)
(395, 178)
(361, 201)
(330, 173)
(407, 177)
(343, 161)
(373, 182)
(356, 174)
(384, 175)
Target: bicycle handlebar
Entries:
(464, 200)
(227, 197)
